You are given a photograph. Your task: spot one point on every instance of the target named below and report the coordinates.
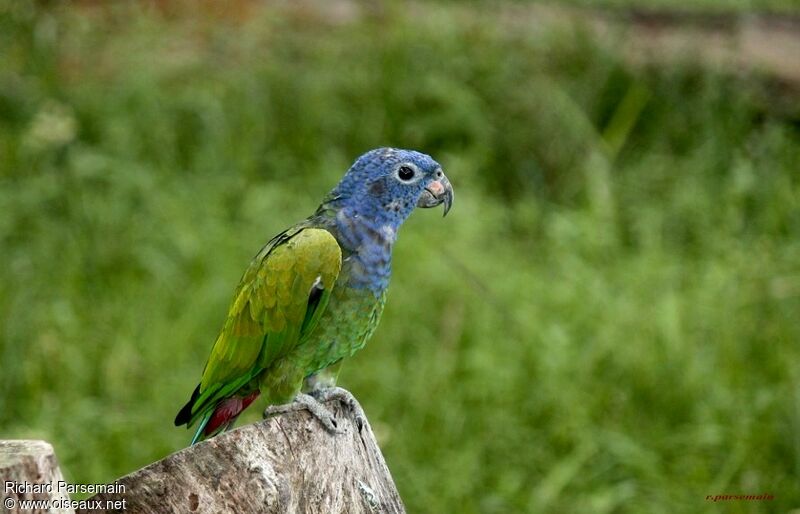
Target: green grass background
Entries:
(606, 322)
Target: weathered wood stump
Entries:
(29, 472)
(285, 464)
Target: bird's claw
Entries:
(345, 397)
(276, 410)
(336, 393)
(307, 402)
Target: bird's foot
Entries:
(326, 394)
(307, 402)
(344, 396)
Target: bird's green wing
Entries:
(276, 305)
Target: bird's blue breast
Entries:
(368, 251)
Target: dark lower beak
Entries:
(438, 192)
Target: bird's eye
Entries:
(405, 173)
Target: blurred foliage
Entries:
(606, 322)
(695, 6)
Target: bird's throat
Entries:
(367, 245)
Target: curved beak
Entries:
(439, 191)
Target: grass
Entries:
(606, 321)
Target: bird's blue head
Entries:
(386, 184)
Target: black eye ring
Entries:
(405, 173)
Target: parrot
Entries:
(314, 295)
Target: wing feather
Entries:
(272, 310)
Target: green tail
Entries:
(202, 426)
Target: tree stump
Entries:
(285, 464)
(29, 472)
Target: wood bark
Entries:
(285, 464)
(26, 468)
